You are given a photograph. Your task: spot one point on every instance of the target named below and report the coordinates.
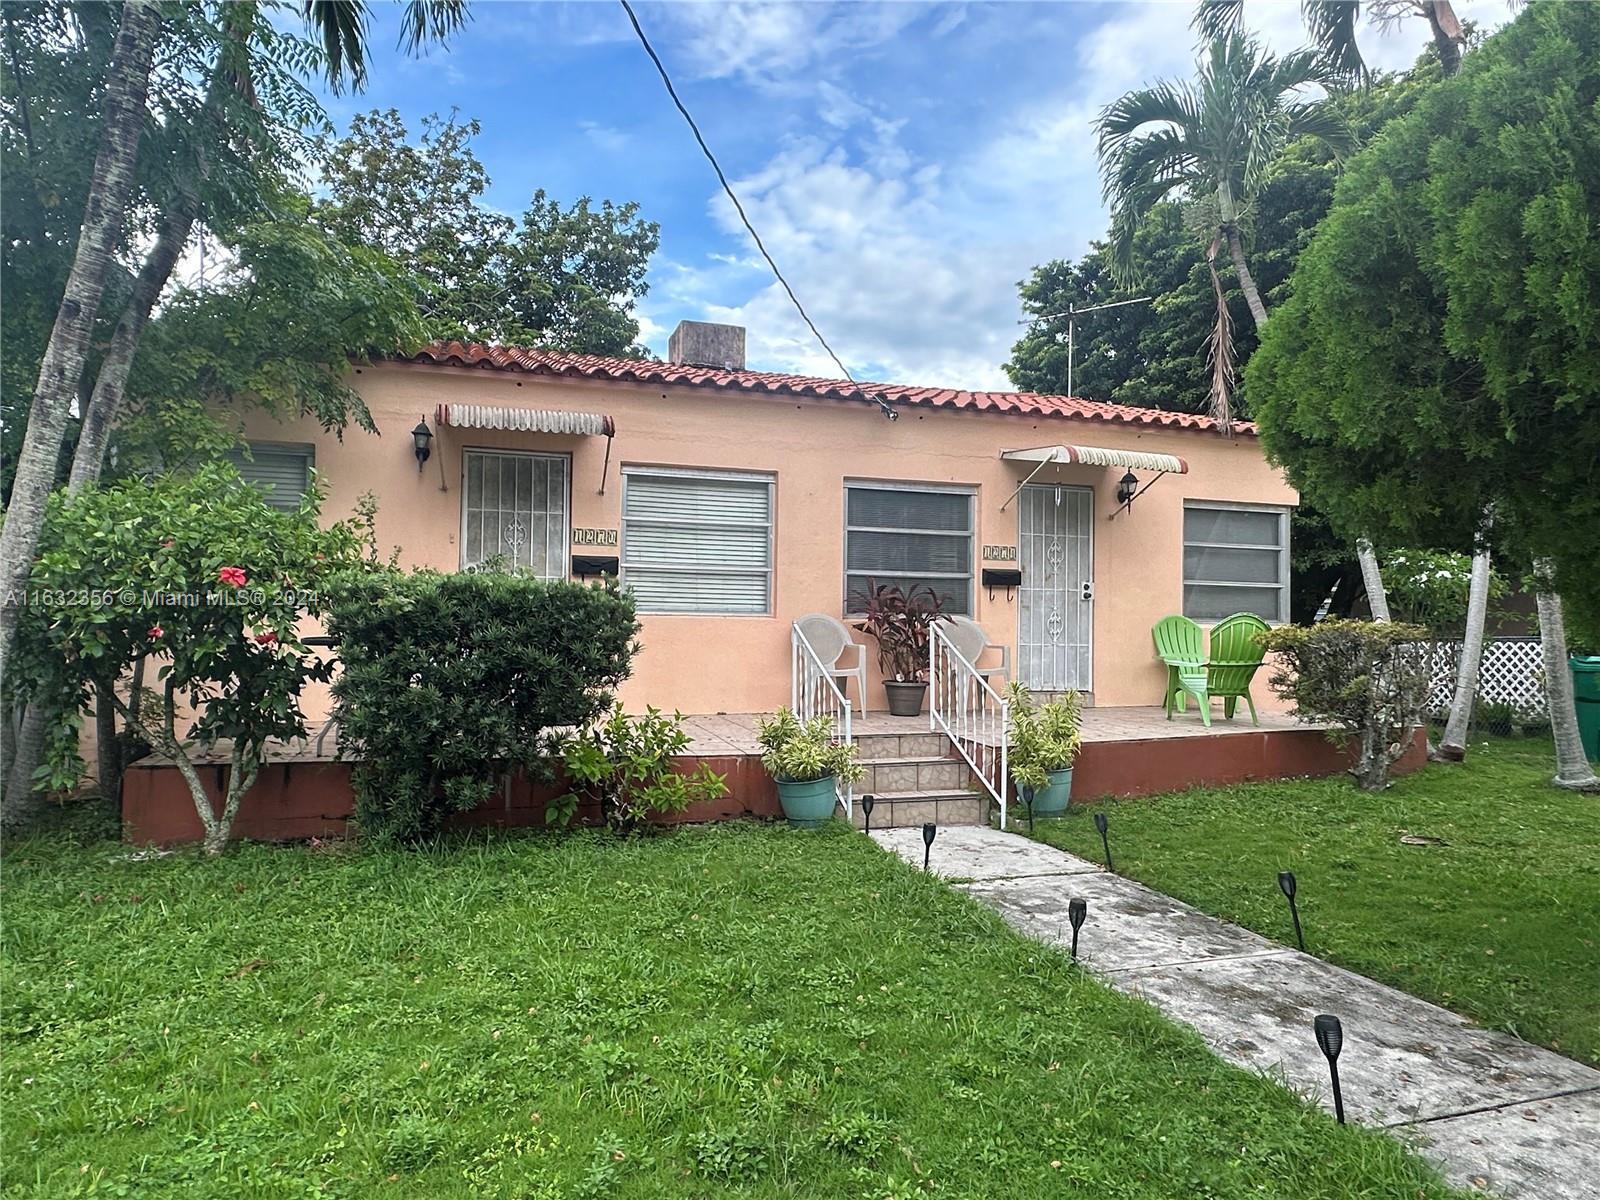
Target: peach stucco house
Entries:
(733, 501)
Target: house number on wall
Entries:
(1000, 553)
(594, 537)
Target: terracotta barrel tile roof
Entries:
(629, 370)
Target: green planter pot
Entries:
(810, 803)
(1052, 801)
(1586, 699)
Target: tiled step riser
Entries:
(890, 775)
(945, 810)
(902, 745)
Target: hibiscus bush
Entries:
(179, 601)
(452, 682)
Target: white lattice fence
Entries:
(1512, 673)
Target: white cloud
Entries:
(768, 44)
(606, 137)
(909, 262)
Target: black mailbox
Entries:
(590, 565)
(996, 577)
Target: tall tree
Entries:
(1333, 26)
(67, 351)
(1456, 277)
(565, 277)
(222, 149)
(103, 234)
(1210, 142)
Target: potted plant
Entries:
(807, 765)
(899, 622)
(1045, 740)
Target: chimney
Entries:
(702, 344)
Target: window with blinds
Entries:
(908, 537)
(282, 473)
(697, 541)
(514, 509)
(1235, 560)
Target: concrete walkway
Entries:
(1493, 1112)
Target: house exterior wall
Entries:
(724, 663)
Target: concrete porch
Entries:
(735, 733)
(916, 776)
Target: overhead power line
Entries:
(727, 187)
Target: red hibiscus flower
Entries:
(267, 638)
(155, 631)
(233, 576)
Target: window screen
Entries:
(697, 541)
(1235, 560)
(908, 537)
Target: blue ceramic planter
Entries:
(1052, 800)
(808, 804)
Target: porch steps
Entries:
(895, 810)
(914, 778)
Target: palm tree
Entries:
(341, 26)
(1332, 26)
(1210, 141)
(67, 352)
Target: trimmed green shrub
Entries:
(452, 681)
(624, 764)
(1367, 679)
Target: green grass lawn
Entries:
(1501, 922)
(737, 1009)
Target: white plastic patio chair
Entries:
(830, 640)
(970, 641)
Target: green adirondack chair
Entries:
(1180, 644)
(1234, 659)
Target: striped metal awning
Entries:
(1100, 456)
(526, 420)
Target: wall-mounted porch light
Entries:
(1127, 489)
(421, 438)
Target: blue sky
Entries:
(906, 163)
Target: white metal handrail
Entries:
(813, 693)
(971, 713)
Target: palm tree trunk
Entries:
(105, 402)
(1454, 746)
(1222, 367)
(1447, 34)
(19, 804)
(1372, 580)
(1572, 766)
(61, 371)
(1247, 283)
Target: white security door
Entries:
(1055, 546)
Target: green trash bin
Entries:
(1586, 691)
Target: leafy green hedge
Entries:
(451, 680)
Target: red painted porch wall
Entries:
(299, 800)
(1156, 765)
